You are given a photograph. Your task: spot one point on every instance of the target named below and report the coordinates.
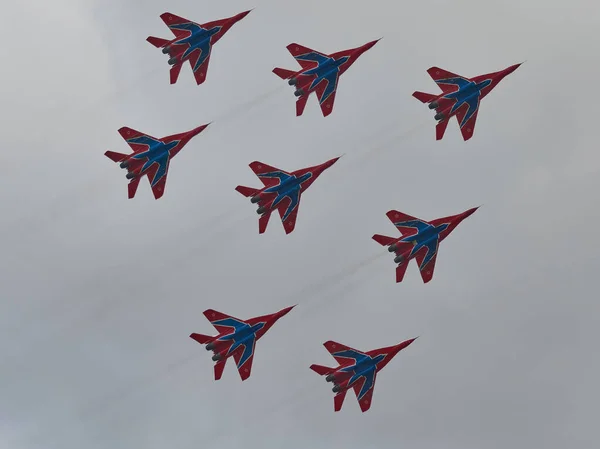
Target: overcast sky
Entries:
(100, 293)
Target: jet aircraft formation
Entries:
(319, 73)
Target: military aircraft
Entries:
(151, 156)
(420, 239)
(460, 97)
(319, 73)
(237, 338)
(193, 42)
(282, 191)
(357, 370)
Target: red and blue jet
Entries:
(193, 42)
(282, 191)
(357, 370)
(319, 73)
(420, 240)
(237, 338)
(151, 156)
(460, 97)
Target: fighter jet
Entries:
(357, 370)
(319, 73)
(193, 42)
(282, 191)
(420, 239)
(460, 97)
(237, 338)
(151, 156)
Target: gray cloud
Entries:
(100, 293)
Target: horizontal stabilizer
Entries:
(321, 370)
(132, 187)
(174, 72)
(219, 367)
(263, 221)
(424, 97)
(338, 400)
(201, 338)
(283, 73)
(384, 240)
(401, 271)
(115, 157)
(157, 41)
(247, 191)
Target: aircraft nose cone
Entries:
(470, 212)
(241, 15)
(198, 130)
(285, 311)
(330, 162)
(512, 68)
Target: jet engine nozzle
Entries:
(210, 346)
(130, 175)
(392, 248)
(433, 105)
(123, 164)
(336, 388)
(299, 92)
(172, 61)
(255, 199)
(329, 378)
(216, 357)
(398, 259)
(261, 210)
(439, 116)
(292, 81)
(166, 50)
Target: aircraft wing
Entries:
(306, 57)
(270, 176)
(447, 81)
(341, 353)
(426, 258)
(363, 389)
(406, 224)
(199, 66)
(288, 211)
(326, 91)
(138, 141)
(467, 116)
(158, 178)
(174, 22)
(222, 322)
(244, 356)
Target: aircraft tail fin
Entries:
(157, 41)
(424, 97)
(201, 338)
(321, 370)
(283, 73)
(384, 240)
(247, 191)
(115, 157)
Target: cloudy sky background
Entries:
(100, 293)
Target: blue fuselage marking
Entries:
(199, 39)
(364, 366)
(468, 92)
(427, 236)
